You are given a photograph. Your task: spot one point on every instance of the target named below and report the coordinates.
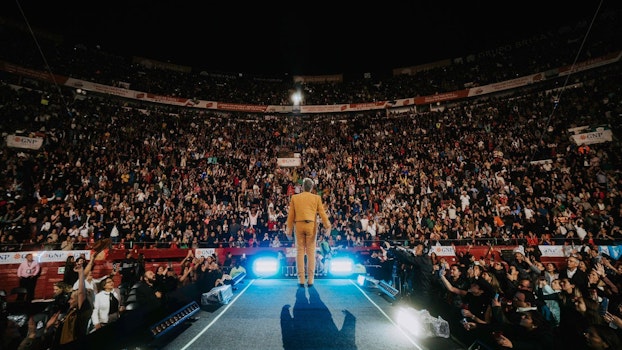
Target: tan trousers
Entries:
(305, 245)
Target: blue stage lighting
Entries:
(341, 266)
(266, 266)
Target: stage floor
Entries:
(277, 314)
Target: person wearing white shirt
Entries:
(91, 285)
(451, 211)
(465, 200)
(107, 305)
(581, 231)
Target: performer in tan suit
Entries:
(303, 210)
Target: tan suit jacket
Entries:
(305, 206)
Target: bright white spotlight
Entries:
(265, 266)
(296, 98)
(341, 266)
(360, 280)
(409, 320)
(421, 324)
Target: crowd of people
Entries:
(82, 304)
(498, 301)
(497, 170)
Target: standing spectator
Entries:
(550, 272)
(578, 319)
(70, 276)
(325, 248)
(458, 280)
(140, 265)
(107, 306)
(532, 332)
(73, 329)
(169, 281)
(601, 337)
(28, 273)
(476, 308)
(91, 284)
(228, 261)
(212, 277)
(62, 293)
(187, 273)
(128, 273)
(576, 276)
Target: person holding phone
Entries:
(532, 332)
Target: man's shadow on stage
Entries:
(311, 325)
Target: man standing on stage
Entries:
(303, 210)
(28, 272)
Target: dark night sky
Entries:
(299, 38)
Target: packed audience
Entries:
(471, 173)
(555, 48)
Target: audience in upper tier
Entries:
(494, 170)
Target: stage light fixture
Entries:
(173, 320)
(238, 278)
(341, 267)
(384, 287)
(360, 280)
(265, 266)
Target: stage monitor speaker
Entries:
(217, 295)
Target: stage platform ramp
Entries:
(278, 314)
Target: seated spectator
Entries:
(236, 269)
(265, 241)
